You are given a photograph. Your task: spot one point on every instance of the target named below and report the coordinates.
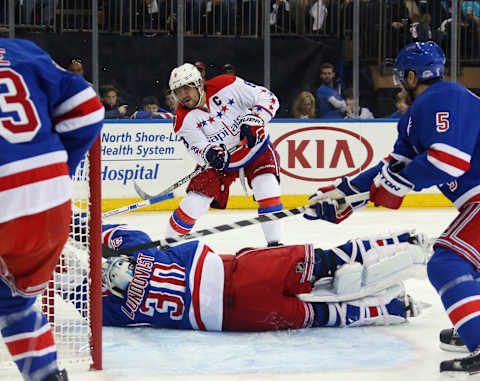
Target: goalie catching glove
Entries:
(217, 156)
(325, 205)
(388, 187)
(252, 128)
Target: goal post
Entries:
(95, 243)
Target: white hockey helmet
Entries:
(186, 74)
(117, 273)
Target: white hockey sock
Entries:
(192, 207)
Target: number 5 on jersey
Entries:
(441, 120)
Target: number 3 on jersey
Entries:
(19, 121)
(441, 120)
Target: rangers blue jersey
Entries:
(167, 285)
(49, 118)
(438, 140)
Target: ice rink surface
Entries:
(408, 352)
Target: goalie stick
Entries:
(107, 252)
(187, 178)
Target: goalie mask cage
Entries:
(77, 322)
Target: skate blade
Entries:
(453, 348)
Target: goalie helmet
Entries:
(425, 59)
(117, 273)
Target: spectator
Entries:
(76, 66)
(38, 12)
(319, 13)
(280, 15)
(471, 28)
(150, 110)
(170, 101)
(304, 106)
(202, 69)
(471, 9)
(221, 16)
(409, 22)
(329, 101)
(228, 69)
(363, 112)
(157, 15)
(441, 19)
(109, 97)
(402, 103)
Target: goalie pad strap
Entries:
(328, 263)
(320, 310)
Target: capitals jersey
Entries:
(48, 120)
(228, 99)
(167, 285)
(439, 141)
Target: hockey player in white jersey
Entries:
(212, 119)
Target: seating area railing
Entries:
(385, 25)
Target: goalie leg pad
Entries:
(348, 278)
(376, 275)
(386, 267)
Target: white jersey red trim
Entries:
(206, 287)
(228, 99)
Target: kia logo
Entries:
(322, 153)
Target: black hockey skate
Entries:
(450, 341)
(469, 364)
(60, 375)
(274, 244)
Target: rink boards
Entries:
(312, 153)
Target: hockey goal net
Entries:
(72, 301)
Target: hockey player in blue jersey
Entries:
(437, 144)
(188, 286)
(49, 118)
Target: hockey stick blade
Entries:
(171, 188)
(141, 193)
(138, 205)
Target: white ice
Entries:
(406, 352)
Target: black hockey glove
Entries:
(217, 156)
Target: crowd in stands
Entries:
(400, 21)
(150, 106)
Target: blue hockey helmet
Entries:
(425, 59)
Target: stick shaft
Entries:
(137, 205)
(184, 180)
(234, 225)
